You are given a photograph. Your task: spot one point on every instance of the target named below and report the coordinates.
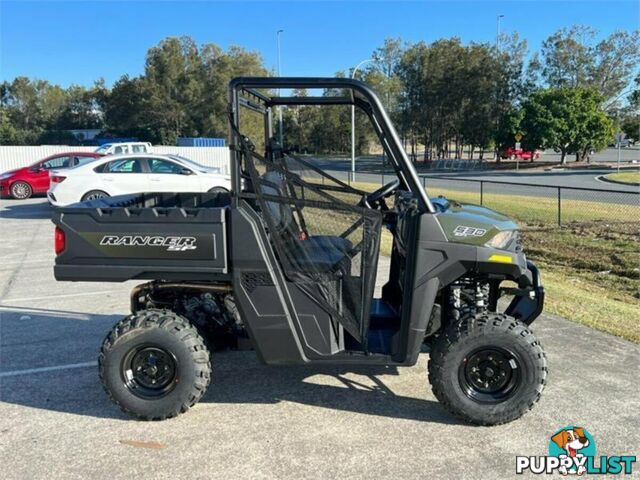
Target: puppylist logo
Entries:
(572, 451)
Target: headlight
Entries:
(502, 239)
(4, 176)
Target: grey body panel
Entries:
(144, 237)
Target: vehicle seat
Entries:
(316, 252)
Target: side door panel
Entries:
(166, 176)
(41, 178)
(125, 176)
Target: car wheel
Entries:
(218, 190)
(487, 368)
(154, 365)
(94, 195)
(21, 190)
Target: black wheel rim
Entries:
(149, 371)
(490, 374)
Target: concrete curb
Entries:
(603, 178)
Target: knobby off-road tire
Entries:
(154, 365)
(487, 368)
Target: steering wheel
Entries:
(376, 198)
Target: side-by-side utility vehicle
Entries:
(286, 263)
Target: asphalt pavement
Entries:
(265, 422)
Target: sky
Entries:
(79, 41)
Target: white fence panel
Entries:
(12, 157)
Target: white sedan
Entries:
(136, 173)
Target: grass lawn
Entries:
(543, 210)
(591, 274)
(625, 177)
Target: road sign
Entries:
(518, 137)
(620, 136)
(517, 145)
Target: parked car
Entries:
(624, 143)
(521, 154)
(124, 148)
(138, 173)
(34, 179)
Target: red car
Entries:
(512, 153)
(24, 182)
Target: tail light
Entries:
(57, 179)
(59, 240)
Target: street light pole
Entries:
(353, 123)
(495, 150)
(279, 106)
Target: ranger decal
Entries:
(172, 244)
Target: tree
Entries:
(183, 91)
(513, 83)
(127, 111)
(567, 119)
(80, 109)
(570, 58)
(8, 133)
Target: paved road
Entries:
(265, 422)
(567, 178)
(584, 178)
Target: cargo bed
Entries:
(163, 236)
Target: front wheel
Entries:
(154, 365)
(487, 368)
(21, 190)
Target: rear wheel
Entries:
(154, 365)
(218, 190)
(487, 368)
(94, 195)
(21, 190)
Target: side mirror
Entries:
(36, 169)
(185, 171)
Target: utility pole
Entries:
(498, 31)
(279, 106)
(353, 124)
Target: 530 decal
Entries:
(464, 231)
(172, 244)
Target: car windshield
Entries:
(195, 165)
(103, 148)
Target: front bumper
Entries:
(528, 301)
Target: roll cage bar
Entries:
(258, 94)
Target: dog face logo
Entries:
(573, 444)
(572, 451)
(571, 440)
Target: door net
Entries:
(326, 242)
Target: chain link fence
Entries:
(529, 203)
(541, 204)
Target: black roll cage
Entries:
(246, 92)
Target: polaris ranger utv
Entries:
(287, 262)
